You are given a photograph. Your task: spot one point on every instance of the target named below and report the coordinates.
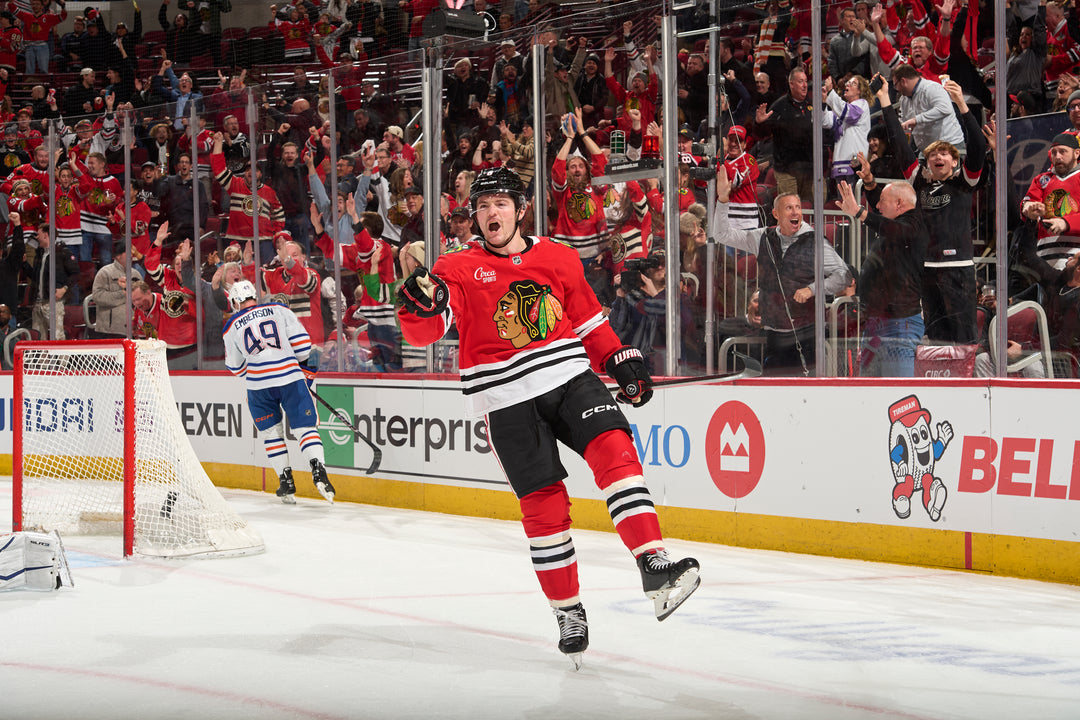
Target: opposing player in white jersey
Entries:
(532, 338)
(267, 346)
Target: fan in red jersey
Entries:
(532, 340)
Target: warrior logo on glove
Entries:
(626, 366)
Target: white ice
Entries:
(358, 611)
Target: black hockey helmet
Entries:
(493, 181)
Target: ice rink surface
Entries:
(359, 612)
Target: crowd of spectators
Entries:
(905, 82)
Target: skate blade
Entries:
(328, 494)
(288, 499)
(667, 600)
(577, 659)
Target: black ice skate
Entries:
(667, 583)
(573, 632)
(322, 482)
(287, 488)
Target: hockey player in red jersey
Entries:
(532, 340)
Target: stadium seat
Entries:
(89, 310)
(262, 31)
(74, 328)
(945, 360)
(234, 33)
(1026, 325)
(9, 344)
(154, 37)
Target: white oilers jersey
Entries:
(265, 344)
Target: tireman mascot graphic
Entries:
(913, 451)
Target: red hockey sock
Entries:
(618, 473)
(546, 518)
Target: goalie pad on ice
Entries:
(33, 561)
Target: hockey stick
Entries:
(376, 451)
(751, 369)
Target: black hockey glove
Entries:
(424, 294)
(309, 374)
(627, 367)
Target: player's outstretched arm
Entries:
(424, 308)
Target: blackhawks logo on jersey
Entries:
(527, 312)
(1059, 203)
(579, 207)
(617, 243)
(64, 206)
(98, 196)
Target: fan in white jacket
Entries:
(849, 119)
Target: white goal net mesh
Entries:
(72, 455)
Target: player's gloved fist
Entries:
(309, 374)
(424, 294)
(627, 367)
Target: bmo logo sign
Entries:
(735, 449)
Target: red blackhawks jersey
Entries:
(298, 289)
(36, 28)
(204, 145)
(360, 258)
(11, 44)
(1061, 196)
(527, 322)
(38, 178)
(31, 209)
(68, 216)
(169, 319)
(743, 173)
(241, 206)
(140, 229)
(581, 223)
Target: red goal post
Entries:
(98, 448)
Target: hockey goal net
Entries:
(99, 449)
